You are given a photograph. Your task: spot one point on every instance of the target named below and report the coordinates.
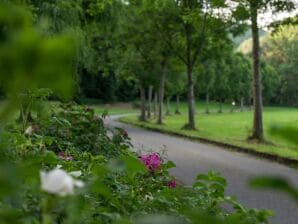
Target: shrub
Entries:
(115, 185)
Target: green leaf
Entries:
(288, 133)
(275, 183)
(133, 165)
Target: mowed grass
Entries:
(232, 128)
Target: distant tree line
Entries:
(161, 50)
(279, 50)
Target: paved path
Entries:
(192, 158)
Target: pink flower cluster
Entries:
(152, 161)
(172, 184)
(62, 155)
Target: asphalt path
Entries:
(192, 158)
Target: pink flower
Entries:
(62, 155)
(152, 161)
(172, 184)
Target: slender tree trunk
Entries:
(150, 90)
(143, 104)
(177, 111)
(242, 104)
(207, 104)
(168, 112)
(161, 90)
(257, 85)
(155, 104)
(220, 107)
(191, 99)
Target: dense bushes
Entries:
(110, 184)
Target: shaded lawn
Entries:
(233, 128)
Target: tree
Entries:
(139, 50)
(175, 83)
(271, 81)
(159, 13)
(239, 78)
(196, 23)
(29, 60)
(208, 68)
(221, 89)
(280, 49)
(251, 9)
(206, 78)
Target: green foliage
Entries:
(117, 185)
(278, 67)
(38, 58)
(232, 128)
(279, 183)
(288, 133)
(280, 49)
(28, 60)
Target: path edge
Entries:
(231, 147)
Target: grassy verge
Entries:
(232, 130)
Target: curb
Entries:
(231, 147)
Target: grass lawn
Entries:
(231, 128)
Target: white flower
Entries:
(29, 130)
(149, 197)
(233, 103)
(58, 181)
(76, 173)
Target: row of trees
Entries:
(279, 49)
(189, 31)
(164, 47)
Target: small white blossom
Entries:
(29, 130)
(233, 103)
(76, 173)
(149, 197)
(58, 181)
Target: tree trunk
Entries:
(220, 107)
(242, 104)
(168, 106)
(150, 90)
(177, 111)
(161, 90)
(257, 85)
(143, 104)
(207, 104)
(191, 99)
(155, 104)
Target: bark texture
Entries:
(143, 104)
(257, 85)
(177, 110)
(149, 106)
(207, 104)
(168, 112)
(242, 104)
(191, 98)
(220, 107)
(155, 104)
(161, 90)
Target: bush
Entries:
(110, 184)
